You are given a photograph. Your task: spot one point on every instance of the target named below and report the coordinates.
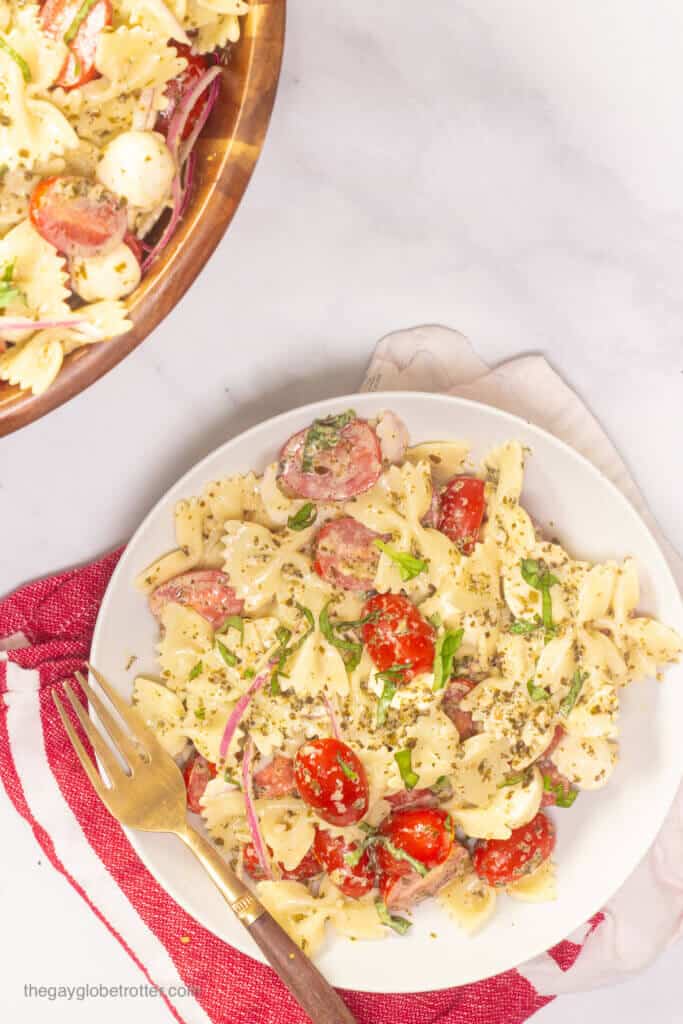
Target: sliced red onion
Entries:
(22, 323)
(252, 818)
(179, 120)
(238, 712)
(334, 721)
(188, 181)
(167, 233)
(187, 145)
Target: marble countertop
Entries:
(511, 170)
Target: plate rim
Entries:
(136, 837)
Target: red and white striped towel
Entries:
(45, 634)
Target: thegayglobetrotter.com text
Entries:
(79, 993)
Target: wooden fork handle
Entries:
(320, 1001)
(295, 970)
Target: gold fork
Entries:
(150, 795)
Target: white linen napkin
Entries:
(646, 914)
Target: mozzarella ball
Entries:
(111, 276)
(139, 167)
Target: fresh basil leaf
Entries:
(536, 692)
(78, 19)
(522, 626)
(226, 654)
(388, 692)
(398, 924)
(250, 673)
(446, 648)
(322, 435)
(565, 798)
(435, 620)
(512, 780)
(408, 565)
(196, 671)
(570, 700)
(17, 58)
(233, 622)
(304, 518)
(310, 621)
(404, 760)
(398, 854)
(351, 649)
(536, 575)
(353, 857)
(347, 769)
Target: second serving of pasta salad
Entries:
(101, 104)
(381, 682)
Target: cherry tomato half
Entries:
(197, 773)
(179, 86)
(461, 511)
(502, 861)
(354, 881)
(305, 869)
(56, 18)
(398, 636)
(332, 780)
(79, 217)
(423, 833)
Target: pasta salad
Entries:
(101, 104)
(382, 682)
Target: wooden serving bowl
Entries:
(227, 151)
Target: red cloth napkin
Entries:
(45, 630)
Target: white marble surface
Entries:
(512, 170)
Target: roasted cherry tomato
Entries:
(425, 834)
(277, 778)
(398, 636)
(305, 869)
(557, 736)
(354, 881)
(78, 216)
(332, 780)
(59, 18)
(454, 692)
(461, 511)
(197, 773)
(180, 86)
(502, 861)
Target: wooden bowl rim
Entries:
(204, 225)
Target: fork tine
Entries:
(130, 715)
(83, 757)
(115, 772)
(119, 736)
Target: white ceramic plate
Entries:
(603, 836)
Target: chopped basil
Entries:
(444, 653)
(408, 565)
(17, 58)
(233, 622)
(390, 679)
(404, 760)
(322, 435)
(398, 854)
(196, 671)
(9, 292)
(351, 650)
(283, 636)
(442, 788)
(512, 780)
(304, 518)
(78, 19)
(388, 692)
(435, 620)
(228, 657)
(522, 626)
(563, 798)
(537, 576)
(570, 700)
(250, 673)
(398, 924)
(353, 857)
(537, 692)
(347, 769)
